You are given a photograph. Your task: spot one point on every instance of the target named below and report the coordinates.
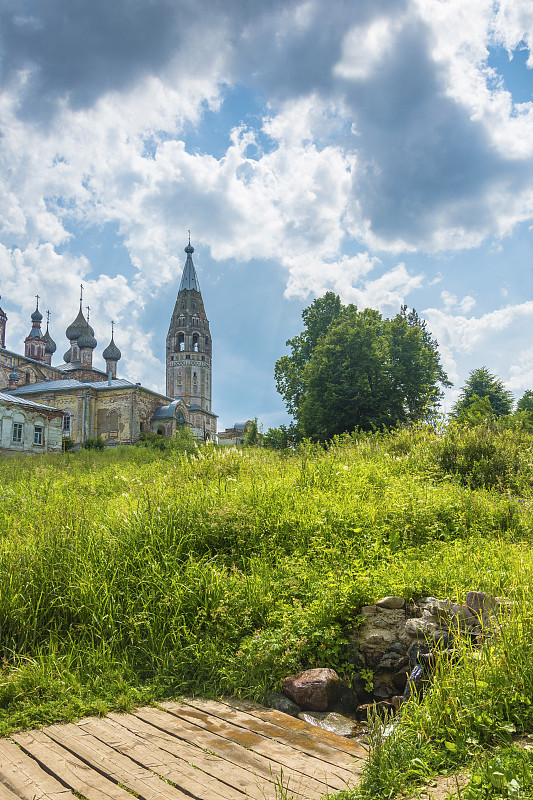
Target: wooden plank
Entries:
(23, 776)
(358, 751)
(187, 776)
(332, 776)
(260, 765)
(118, 766)
(73, 772)
(246, 779)
(307, 739)
(5, 793)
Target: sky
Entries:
(380, 149)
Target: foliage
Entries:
(131, 575)
(252, 438)
(482, 385)
(94, 443)
(68, 443)
(352, 369)
(276, 438)
(288, 370)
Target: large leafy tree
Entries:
(481, 384)
(352, 369)
(526, 402)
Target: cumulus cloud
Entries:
(383, 130)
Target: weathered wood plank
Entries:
(340, 743)
(73, 772)
(260, 765)
(184, 772)
(5, 793)
(117, 765)
(169, 756)
(307, 739)
(23, 776)
(333, 776)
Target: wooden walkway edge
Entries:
(189, 750)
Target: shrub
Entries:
(94, 443)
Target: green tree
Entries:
(526, 402)
(252, 437)
(358, 370)
(276, 438)
(480, 385)
(288, 370)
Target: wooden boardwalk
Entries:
(200, 749)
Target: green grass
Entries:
(132, 575)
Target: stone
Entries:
(393, 661)
(368, 611)
(382, 691)
(362, 695)
(313, 689)
(331, 721)
(347, 702)
(279, 702)
(420, 628)
(384, 709)
(481, 605)
(391, 602)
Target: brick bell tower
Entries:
(189, 348)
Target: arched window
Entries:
(28, 377)
(160, 431)
(195, 342)
(180, 342)
(113, 422)
(66, 423)
(207, 341)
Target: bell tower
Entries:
(188, 349)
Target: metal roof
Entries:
(71, 383)
(167, 412)
(11, 398)
(189, 279)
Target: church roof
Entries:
(167, 412)
(112, 353)
(189, 279)
(69, 384)
(11, 398)
(50, 344)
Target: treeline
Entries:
(356, 370)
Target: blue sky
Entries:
(382, 149)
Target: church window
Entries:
(160, 431)
(113, 422)
(187, 356)
(38, 434)
(28, 377)
(17, 432)
(194, 378)
(203, 358)
(195, 342)
(181, 342)
(66, 423)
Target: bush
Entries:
(68, 444)
(94, 443)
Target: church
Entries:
(94, 403)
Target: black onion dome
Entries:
(87, 339)
(77, 328)
(66, 357)
(50, 346)
(112, 353)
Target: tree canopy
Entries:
(482, 385)
(356, 369)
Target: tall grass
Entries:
(128, 576)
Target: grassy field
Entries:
(133, 575)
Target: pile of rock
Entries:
(393, 652)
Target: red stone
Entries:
(314, 689)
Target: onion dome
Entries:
(66, 357)
(87, 339)
(36, 316)
(50, 346)
(112, 353)
(78, 328)
(14, 376)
